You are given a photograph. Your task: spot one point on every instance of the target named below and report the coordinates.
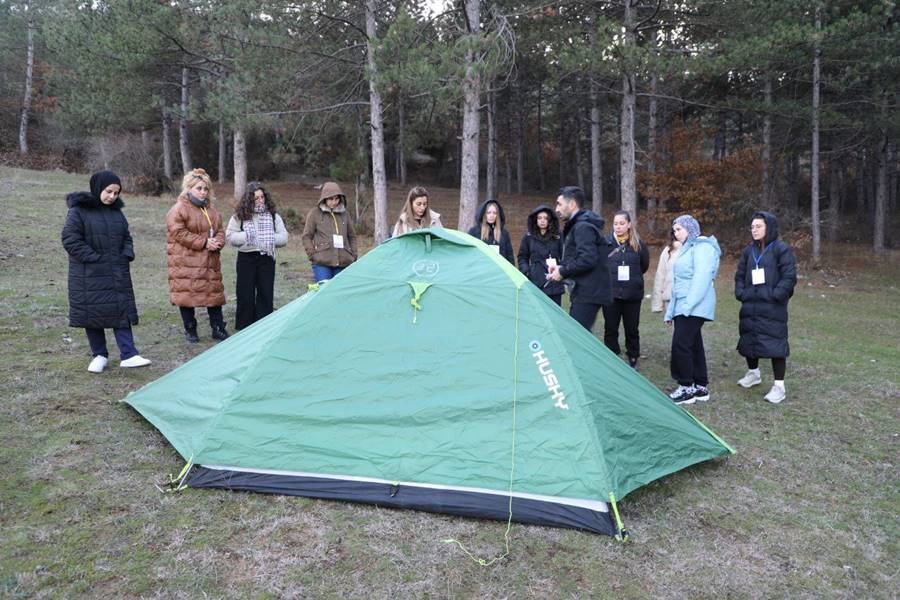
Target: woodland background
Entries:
(712, 107)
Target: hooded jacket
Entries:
(195, 273)
(584, 258)
(535, 249)
(637, 263)
(322, 224)
(764, 313)
(505, 242)
(693, 279)
(100, 248)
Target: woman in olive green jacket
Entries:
(328, 236)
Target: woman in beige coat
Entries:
(194, 237)
(328, 236)
(416, 214)
(662, 281)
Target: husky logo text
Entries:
(548, 374)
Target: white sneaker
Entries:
(134, 361)
(776, 394)
(752, 378)
(98, 364)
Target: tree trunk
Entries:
(240, 165)
(186, 164)
(493, 184)
(167, 145)
(814, 159)
(860, 184)
(29, 84)
(834, 198)
(379, 178)
(792, 172)
(540, 138)
(596, 157)
(507, 154)
(471, 88)
(561, 174)
(766, 199)
(146, 144)
(881, 188)
(651, 148)
(401, 140)
(223, 151)
(579, 167)
(626, 142)
(520, 150)
(721, 133)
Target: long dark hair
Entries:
(244, 210)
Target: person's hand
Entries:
(669, 324)
(553, 273)
(213, 244)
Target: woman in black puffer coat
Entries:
(763, 283)
(100, 249)
(627, 264)
(540, 243)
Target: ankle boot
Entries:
(219, 332)
(190, 334)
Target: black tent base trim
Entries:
(417, 497)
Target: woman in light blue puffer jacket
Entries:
(693, 303)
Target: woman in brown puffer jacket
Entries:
(328, 236)
(193, 240)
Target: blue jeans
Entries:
(321, 272)
(124, 340)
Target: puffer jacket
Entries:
(637, 263)
(693, 279)
(100, 248)
(584, 258)
(503, 240)
(322, 224)
(195, 273)
(535, 249)
(764, 307)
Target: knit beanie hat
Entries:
(689, 224)
(101, 180)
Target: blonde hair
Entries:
(192, 177)
(486, 228)
(416, 192)
(634, 240)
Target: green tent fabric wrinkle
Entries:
(492, 392)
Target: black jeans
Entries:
(215, 316)
(688, 365)
(629, 312)
(255, 288)
(779, 366)
(584, 313)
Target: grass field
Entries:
(807, 508)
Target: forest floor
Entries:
(807, 508)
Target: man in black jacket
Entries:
(584, 256)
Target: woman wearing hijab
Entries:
(194, 238)
(256, 229)
(763, 283)
(490, 228)
(693, 303)
(100, 248)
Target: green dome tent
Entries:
(430, 374)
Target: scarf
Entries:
(197, 201)
(261, 231)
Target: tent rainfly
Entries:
(431, 375)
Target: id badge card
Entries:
(337, 241)
(551, 262)
(624, 273)
(758, 276)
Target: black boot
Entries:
(633, 362)
(190, 334)
(219, 332)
